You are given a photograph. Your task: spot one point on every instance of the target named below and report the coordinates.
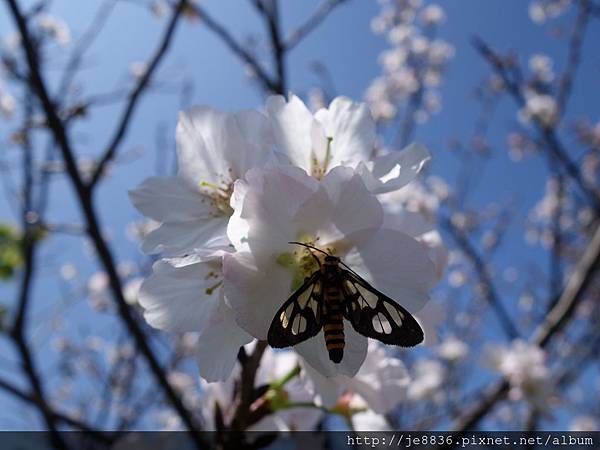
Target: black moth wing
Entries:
(299, 318)
(377, 316)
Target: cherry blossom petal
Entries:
(254, 294)
(351, 129)
(218, 346)
(415, 225)
(176, 298)
(170, 199)
(397, 265)
(370, 421)
(411, 223)
(292, 125)
(381, 381)
(266, 213)
(394, 170)
(216, 147)
(430, 317)
(315, 353)
(179, 238)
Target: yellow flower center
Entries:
(219, 197)
(303, 261)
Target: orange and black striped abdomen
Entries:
(333, 325)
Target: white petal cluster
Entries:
(453, 349)
(524, 366)
(428, 378)
(540, 11)
(540, 108)
(54, 27)
(541, 67)
(250, 182)
(414, 64)
(7, 103)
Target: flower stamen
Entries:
(219, 197)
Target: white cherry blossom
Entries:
(380, 383)
(342, 134)
(184, 297)
(525, 367)
(213, 150)
(279, 205)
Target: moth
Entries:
(331, 294)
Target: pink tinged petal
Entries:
(347, 191)
(315, 353)
(395, 264)
(352, 130)
(170, 199)
(331, 214)
(415, 225)
(292, 124)
(176, 299)
(272, 200)
(254, 295)
(394, 170)
(218, 346)
(180, 238)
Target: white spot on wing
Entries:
(368, 297)
(397, 316)
(381, 324)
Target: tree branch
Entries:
(97, 435)
(324, 9)
(136, 94)
(484, 277)
(28, 251)
(265, 79)
(548, 134)
(86, 204)
(556, 319)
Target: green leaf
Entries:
(11, 257)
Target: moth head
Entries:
(331, 259)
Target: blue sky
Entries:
(345, 44)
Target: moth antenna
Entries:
(309, 246)
(311, 253)
(348, 267)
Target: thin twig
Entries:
(321, 13)
(271, 18)
(574, 57)
(556, 319)
(86, 204)
(484, 277)
(265, 79)
(136, 95)
(546, 133)
(28, 251)
(100, 436)
(246, 395)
